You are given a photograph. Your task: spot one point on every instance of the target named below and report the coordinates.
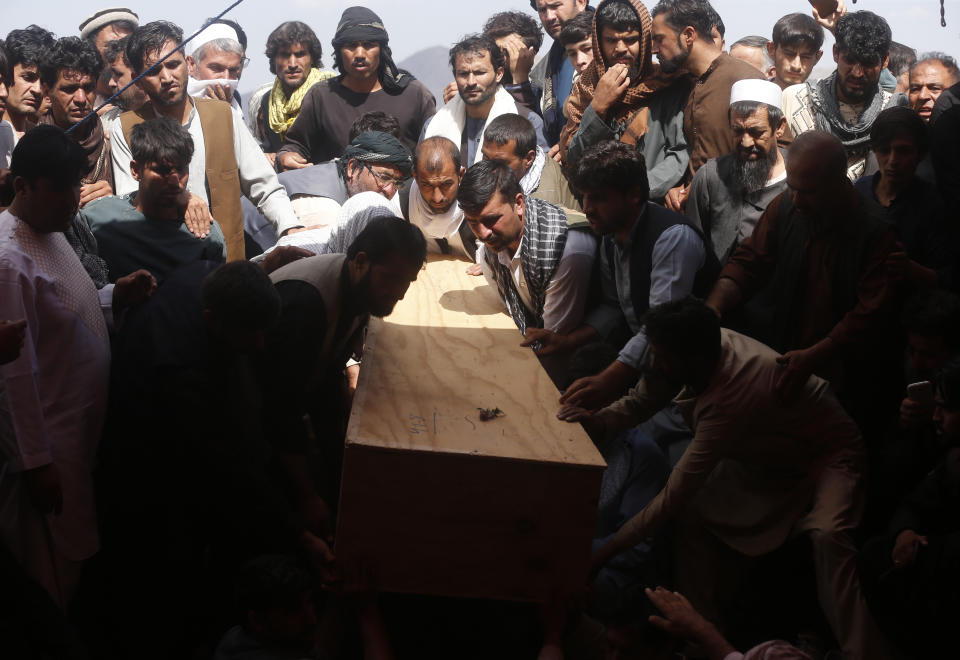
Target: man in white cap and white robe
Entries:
(729, 194)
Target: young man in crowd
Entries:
(368, 81)
(294, 53)
(929, 76)
(846, 103)
(478, 68)
(519, 38)
(795, 49)
(577, 40)
(99, 29)
(131, 98)
(26, 50)
(902, 59)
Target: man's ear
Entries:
(781, 129)
(191, 65)
(689, 35)
(20, 185)
(136, 170)
(529, 158)
(359, 265)
(886, 61)
(499, 74)
(836, 54)
(463, 170)
(772, 50)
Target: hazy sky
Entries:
(417, 24)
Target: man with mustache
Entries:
(121, 74)
(369, 81)
(846, 103)
(934, 73)
(226, 159)
(729, 194)
(146, 229)
(26, 50)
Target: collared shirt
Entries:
(567, 292)
(258, 180)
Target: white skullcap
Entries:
(758, 91)
(213, 32)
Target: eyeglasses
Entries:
(385, 180)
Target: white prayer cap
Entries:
(758, 91)
(213, 32)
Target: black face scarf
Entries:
(361, 24)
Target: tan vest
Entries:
(223, 175)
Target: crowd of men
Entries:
(741, 278)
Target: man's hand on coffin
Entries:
(596, 392)
(282, 255)
(196, 214)
(321, 558)
(43, 486)
(317, 516)
(543, 341)
(475, 270)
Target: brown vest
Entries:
(223, 175)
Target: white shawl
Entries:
(451, 120)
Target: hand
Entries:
(543, 341)
(133, 289)
(474, 269)
(680, 619)
(797, 366)
(519, 57)
(610, 88)
(352, 373)
(676, 198)
(914, 414)
(12, 334)
(829, 21)
(271, 158)
(595, 392)
(574, 414)
(321, 558)
(291, 160)
(317, 515)
(92, 191)
(450, 91)
(897, 265)
(104, 110)
(220, 92)
(282, 255)
(196, 214)
(43, 486)
(906, 546)
(554, 153)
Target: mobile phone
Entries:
(921, 392)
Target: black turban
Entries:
(361, 24)
(374, 147)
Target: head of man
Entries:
(275, 594)
(478, 67)
(493, 205)
(361, 46)
(577, 39)
(133, 97)
(512, 140)
(69, 74)
(108, 25)
(164, 82)
(3, 79)
(753, 50)
(26, 51)
(383, 260)
(620, 36)
(220, 52)
(946, 412)
(678, 26)
(899, 140)
(684, 338)
(376, 162)
(901, 59)
(554, 14)
(161, 150)
(505, 26)
(293, 49)
(47, 166)
(816, 173)
(796, 48)
(240, 304)
(928, 78)
(438, 169)
(757, 122)
(719, 32)
(932, 321)
(862, 52)
(376, 121)
(612, 178)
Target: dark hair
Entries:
(241, 296)
(901, 58)
(477, 44)
(122, 24)
(436, 144)
(718, 23)
(577, 29)
(482, 181)
(148, 39)
(618, 15)
(947, 61)
(610, 165)
(899, 121)
(747, 108)
(290, 33)
(505, 23)
(116, 48)
(948, 383)
(698, 14)
(796, 29)
(70, 54)
(161, 140)
(864, 36)
(376, 121)
(934, 313)
(684, 327)
(271, 582)
(27, 47)
(385, 236)
(512, 127)
(46, 152)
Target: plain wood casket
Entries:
(435, 501)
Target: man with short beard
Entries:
(131, 98)
(478, 68)
(26, 50)
(846, 103)
(729, 194)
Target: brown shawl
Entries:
(632, 105)
(91, 137)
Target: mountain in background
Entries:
(431, 67)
